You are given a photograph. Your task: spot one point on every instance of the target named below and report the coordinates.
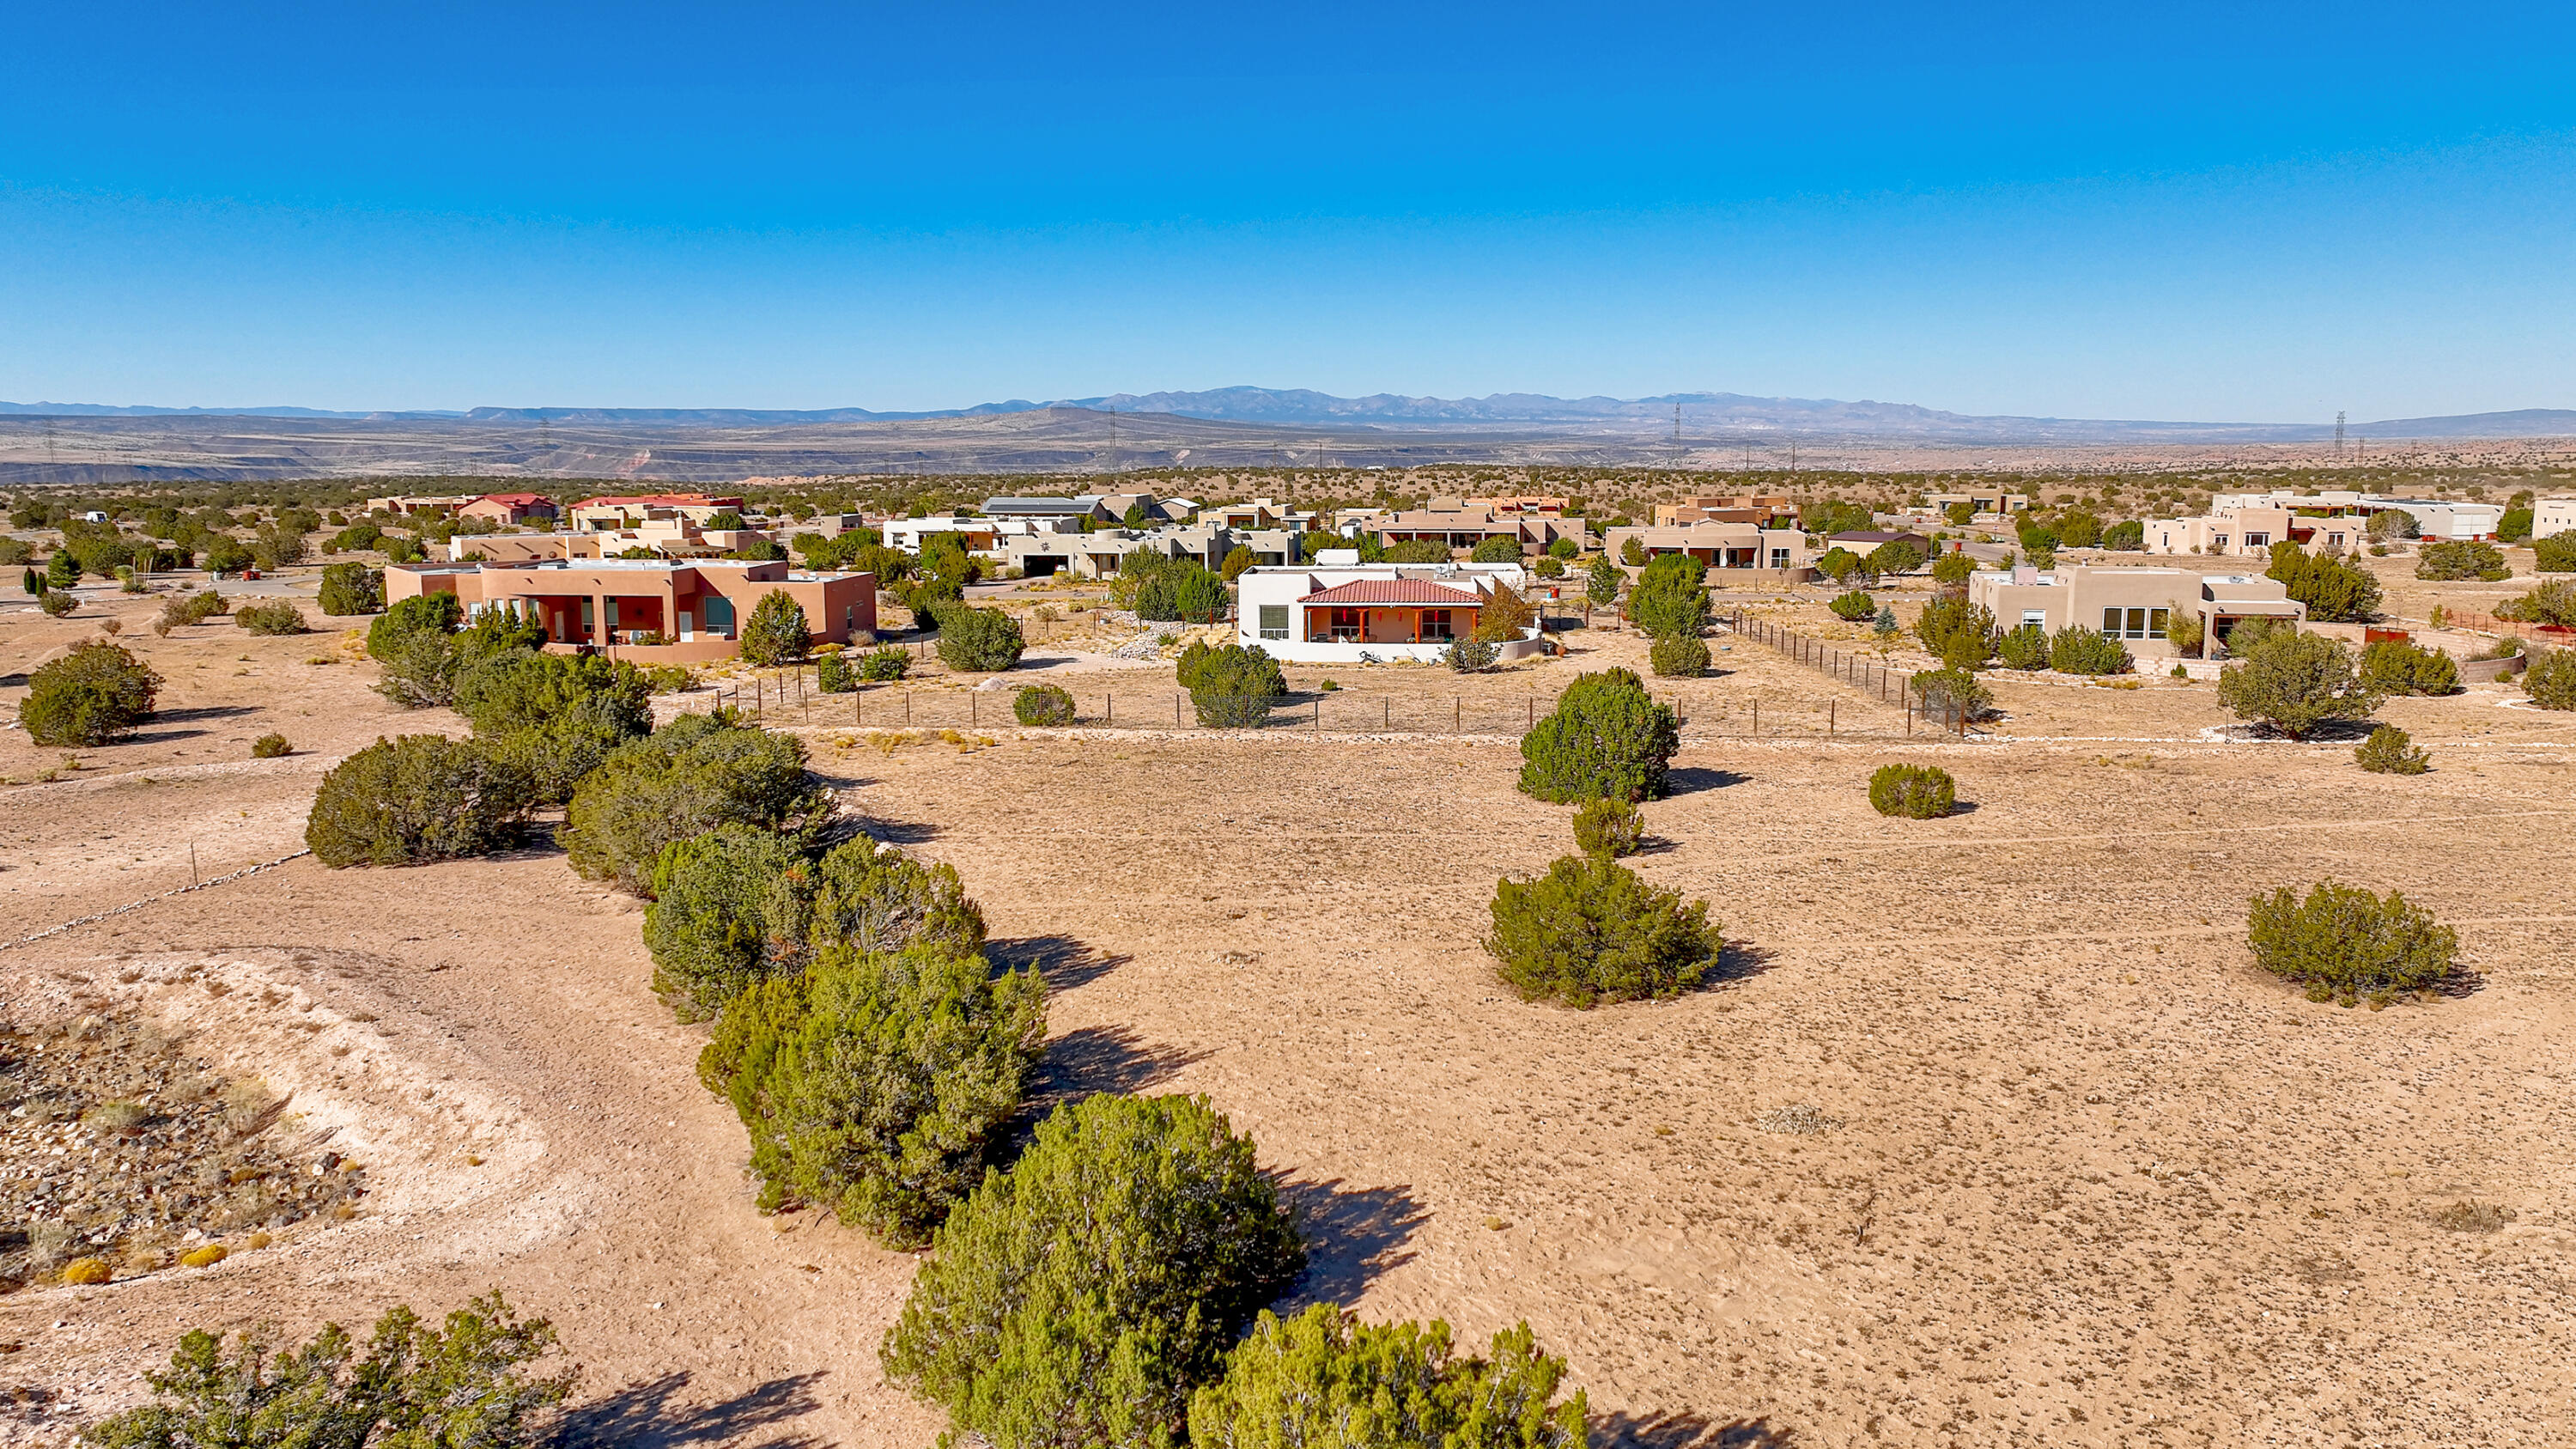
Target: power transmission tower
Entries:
(2338, 432)
(1113, 445)
(1677, 435)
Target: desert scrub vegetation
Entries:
(1081, 1297)
(979, 641)
(1670, 599)
(95, 694)
(555, 716)
(270, 746)
(1607, 739)
(414, 799)
(775, 632)
(1232, 686)
(271, 616)
(2390, 751)
(460, 1383)
(1322, 1379)
(740, 905)
(2394, 666)
(683, 780)
(192, 608)
(833, 675)
(2463, 559)
(2022, 649)
(1916, 792)
(2334, 591)
(884, 664)
(1611, 828)
(1590, 931)
(2344, 944)
(1951, 697)
(1042, 704)
(2555, 554)
(1468, 655)
(425, 650)
(2551, 679)
(1682, 656)
(352, 588)
(2294, 682)
(2076, 649)
(1854, 606)
(2551, 601)
(875, 1084)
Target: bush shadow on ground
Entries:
(1064, 962)
(1353, 1234)
(1691, 779)
(903, 832)
(1103, 1059)
(1682, 1429)
(648, 1414)
(1738, 961)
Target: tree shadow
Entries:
(1353, 1234)
(1682, 1429)
(204, 711)
(1691, 779)
(1103, 1059)
(537, 839)
(1739, 961)
(1064, 962)
(647, 1414)
(903, 832)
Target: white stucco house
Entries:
(2553, 516)
(1338, 610)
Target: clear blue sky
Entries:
(2183, 211)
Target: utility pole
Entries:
(1677, 435)
(1113, 444)
(2338, 434)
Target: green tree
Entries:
(227, 555)
(1237, 559)
(352, 588)
(2515, 525)
(1590, 931)
(1916, 792)
(1681, 658)
(2551, 679)
(2294, 682)
(1895, 556)
(63, 570)
(1854, 606)
(1319, 1381)
(1607, 738)
(776, 631)
(1952, 570)
(1081, 1297)
(1957, 632)
(685, 779)
(2024, 648)
(1951, 696)
(876, 898)
(1496, 549)
(1233, 687)
(2127, 536)
(979, 640)
(2394, 666)
(1960, 514)
(729, 909)
(2333, 590)
(2555, 554)
(2079, 650)
(833, 675)
(1504, 615)
(2550, 602)
(1669, 600)
(1414, 551)
(1565, 548)
(2344, 943)
(415, 1387)
(94, 694)
(1834, 516)
(422, 613)
(415, 799)
(2389, 751)
(876, 1084)
(2464, 559)
(1601, 583)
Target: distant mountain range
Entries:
(1701, 414)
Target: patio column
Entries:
(599, 619)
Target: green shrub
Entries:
(1680, 657)
(979, 640)
(96, 693)
(2184, 630)
(1415, 551)
(1237, 559)
(1916, 792)
(422, 613)
(271, 616)
(2334, 591)
(1951, 697)
(424, 667)
(1607, 739)
(884, 664)
(2389, 751)
(873, 898)
(1952, 570)
(2294, 682)
(2023, 649)
(2078, 650)
(1841, 565)
(522, 689)
(2550, 679)
(57, 603)
(1896, 556)
(1320, 1380)
(1590, 931)
(2463, 559)
(2551, 602)
(1956, 632)
(270, 746)
(1854, 606)
(1079, 1298)
(694, 774)
(1182, 591)
(2556, 554)
(1496, 550)
(2343, 943)
(775, 632)
(1469, 654)
(1601, 583)
(2127, 536)
(729, 908)
(833, 675)
(2078, 529)
(352, 588)
(414, 799)
(876, 1084)
(1042, 704)
(1234, 687)
(1608, 827)
(1549, 566)
(1504, 615)
(415, 1385)
(1669, 600)
(2394, 666)
(1563, 549)
(2515, 525)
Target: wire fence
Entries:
(1937, 709)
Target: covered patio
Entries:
(1389, 611)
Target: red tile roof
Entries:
(514, 498)
(1394, 591)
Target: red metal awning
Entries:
(1394, 591)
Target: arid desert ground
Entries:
(1990, 1133)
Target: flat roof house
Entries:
(647, 611)
(1353, 613)
(1765, 555)
(2552, 516)
(1464, 528)
(2439, 520)
(2253, 529)
(1758, 508)
(2131, 605)
(509, 507)
(606, 514)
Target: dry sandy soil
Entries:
(2062, 1167)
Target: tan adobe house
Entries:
(509, 507)
(1758, 508)
(2131, 605)
(607, 514)
(647, 611)
(1736, 553)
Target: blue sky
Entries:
(2144, 211)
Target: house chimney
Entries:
(2025, 574)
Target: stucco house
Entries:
(2132, 605)
(510, 507)
(608, 513)
(647, 611)
(1737, 553)
(2552, 516)
(1340, 611)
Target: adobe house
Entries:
(1735, 553)
(2132, 605)
(607, 514)
(509, 507)
(1344, 611)
(648, 611)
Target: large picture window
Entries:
(719, 616)
(1274, 621)
(1435, 624)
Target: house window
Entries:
(1779, 558)
(2034, 621)
(1435, 624)
(719, 616)
(2129, 623)
(2258, 539)
(2218, 543)
(2334, 540)
(2156, 620)
(2111, 623)
(1274, 621)
(1345, 626)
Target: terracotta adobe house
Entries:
(648, 611)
